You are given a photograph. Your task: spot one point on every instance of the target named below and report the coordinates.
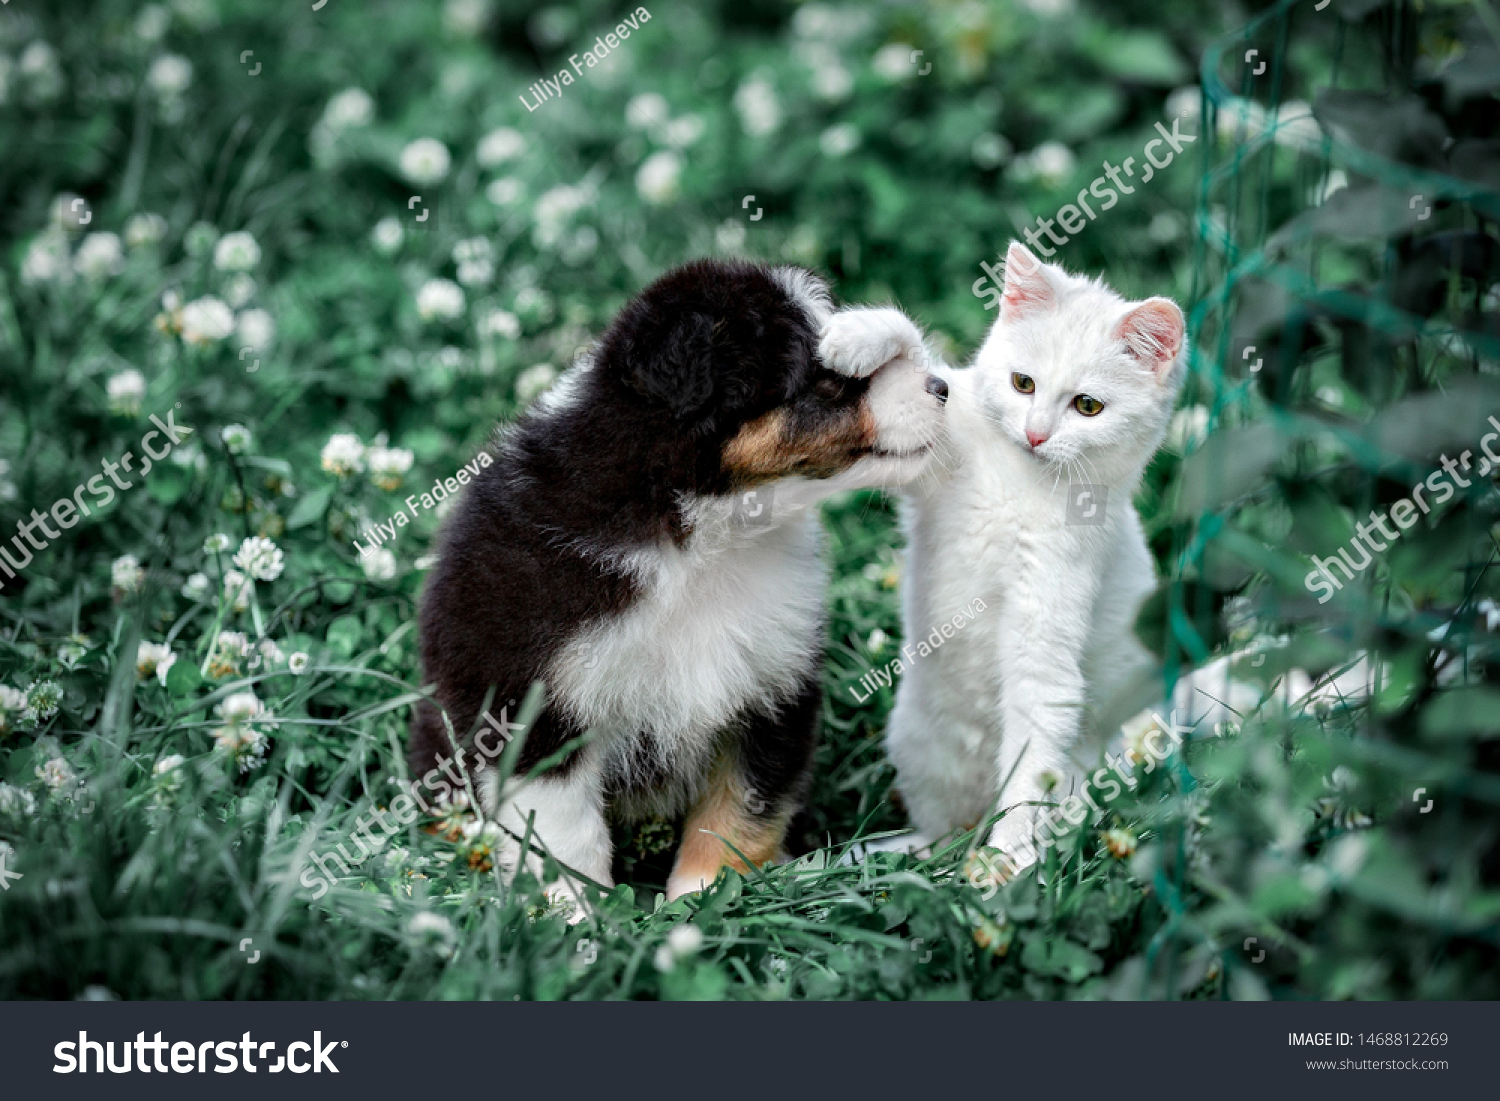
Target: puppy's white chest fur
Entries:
(732, 621)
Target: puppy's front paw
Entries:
(859, 342)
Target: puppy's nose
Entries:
(937, 387)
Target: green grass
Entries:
(145, 880)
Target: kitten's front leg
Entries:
(1042, 641)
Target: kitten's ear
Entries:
(1152, 333)
(1027, 289)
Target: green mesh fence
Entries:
(1346, 343)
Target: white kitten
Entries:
(1050, 432)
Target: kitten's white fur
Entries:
(981, 721)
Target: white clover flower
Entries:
(892, 62)
(1048, 8)
(298, 663)
(877, 641)
(217, 543)
(1051, 162)
(127, 574)
(657, 180)
(534, 380)
(47, 259)
(379, 564)
(236, 251)
(473, 248)
(682, 942)
(839, 140)
(16, 802)
(169, 76)
(270, 653)
(343, 454)
(501, 323)
(99, 256)
(260, 558)
(39, 68)
(729, 236)
(432, 930)
(152, 22)
(236, 439)
(231, 645)
(831, 81)
(554, 208)
(256, 328)
(239, 288)
(440, 298)
(206, 320)
(466, 17)
(71, 652)
(149, 657)
(1189, 427)
(647, 111)
(238, 589)
(1165, 227)
(196, 587)
(350, 108)
(243, 744)
(474, 273)
(505, 191)
(684, 131)
(387, 235)
(499, 146)
(167, 778)
(43, 699)
(125, 392)
(56, 774)
(1186, 102)
(145, 229)
(685, 939)
(474, 257)
(425, 161)
(535, 302)
(12, 703)
(388, 465)
(758, 107)
(990, 150)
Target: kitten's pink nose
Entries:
(1036, 439)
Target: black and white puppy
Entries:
(646, 545)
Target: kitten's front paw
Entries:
(859, 342)
(1014, 836)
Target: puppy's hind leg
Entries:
(758, 783)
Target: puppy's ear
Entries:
(673, 363)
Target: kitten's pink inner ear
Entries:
(1026, 287)
(1153, 332)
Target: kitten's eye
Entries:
(1089, 407)
(1024, 384)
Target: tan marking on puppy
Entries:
(727, 810)
(758, 450)
(768, 447)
